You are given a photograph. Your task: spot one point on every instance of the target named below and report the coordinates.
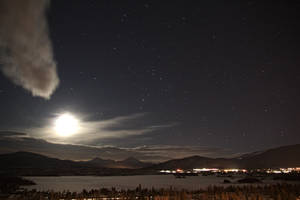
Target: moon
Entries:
(66, 125)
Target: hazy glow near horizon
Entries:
(66, 125)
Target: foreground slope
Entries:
(285, 156)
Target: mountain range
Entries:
(11, 142)
(285, 156)
(129, 163)
(27, 163)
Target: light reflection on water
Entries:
(78, 183)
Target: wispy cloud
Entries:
(91, 131)
(173, 151)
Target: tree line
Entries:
(246, 192)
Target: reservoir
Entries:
(78, 183)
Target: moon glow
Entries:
(66, 125)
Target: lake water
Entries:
(78, 183)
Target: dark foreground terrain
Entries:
(10, 184)
(11, 188)
(270, 192)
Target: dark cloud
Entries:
(11, 134)
(25, 48)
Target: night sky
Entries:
(169, 74)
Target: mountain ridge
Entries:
(283, 156)
(129, 163)
(29, 163)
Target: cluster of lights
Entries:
(220, 170)
(200, 170)
(206, 170)
(283, 170)
(177, 171)
(216, 170)
(234, 170)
